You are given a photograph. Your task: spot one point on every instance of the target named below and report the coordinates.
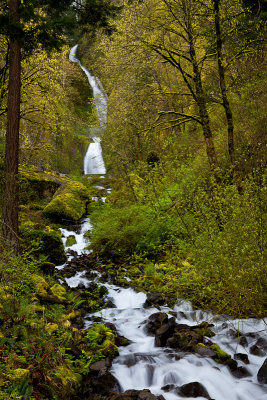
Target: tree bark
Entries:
(226, 104)
(201, 102)
(10, 207)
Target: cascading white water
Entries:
(93, 161)
(141, 365)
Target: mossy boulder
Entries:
(70, 241)
(41, 286)
(44, 243)
(69, 202)
(36, 186)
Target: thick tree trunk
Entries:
(10, 208)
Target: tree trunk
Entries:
(226, 104)
(10, 207)
(201, 103)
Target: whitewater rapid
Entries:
(142, 365)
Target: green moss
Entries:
(35, 186)
(51, 327)
(70, 241)
(222, 356)
(67, 376)
(20, 373)
(58, 290)
(204, 332)
(44, 244)
(68, 203)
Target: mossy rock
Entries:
(221, 356)
(41, 286)
(70, 241)
(47, 244)
(48, 268)
(69, 202)
(58, 290)
(36, 186)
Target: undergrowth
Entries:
(36, 336)
(190, 237)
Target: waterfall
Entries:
(93, 162)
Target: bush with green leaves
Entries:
(120, 232)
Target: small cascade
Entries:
(142, 365)
(93, 161)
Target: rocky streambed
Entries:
(164, 352)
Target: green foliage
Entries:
(121, 232)
(44, 244)
(191, 238)
(35, 339)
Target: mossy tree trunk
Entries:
(10, 207)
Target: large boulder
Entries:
(69, 202)
(193, 389)
(155, 321)
(44, 242)
(36, 186)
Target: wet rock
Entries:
(241, 372)
(243, 341)
(184, 338)
(262, 373)
(205, 351)
(162, 334)
(232, 364)
(155, 321)
(193, 389)
(203, 329)
(154, 299)
(242, 357)
(169, 388)
(133, 394)
(81, 286)
(256, 351)
(102, 291)
(262, 343)
(101, 365)
(237, 372)
(102, 385)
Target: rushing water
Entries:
(93, 161)
(141, 365)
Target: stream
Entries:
(162, 369)
(142, 365)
